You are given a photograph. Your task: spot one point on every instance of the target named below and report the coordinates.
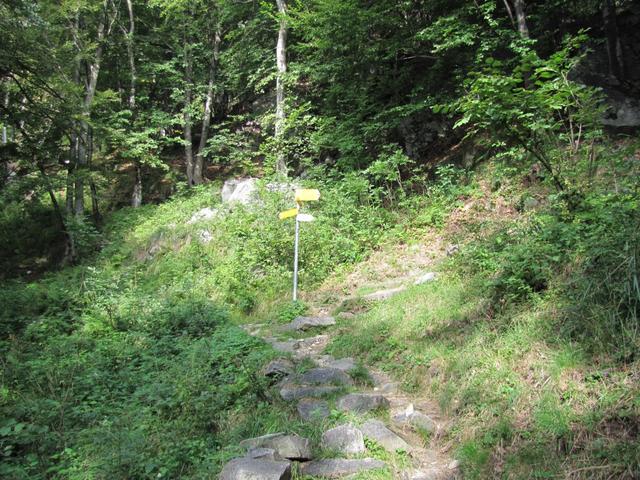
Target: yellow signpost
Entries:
(302, 195)
(288, 213)
(307, 195)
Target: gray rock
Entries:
(346, 315)
(304, 323)
(279, 367)
(345, 439)
(376, 430)
(255, 469)
(292, 446)
(362, 402)
(426, 278)
(325, 376)
(415, 419)
(420, 475)
(288, 346)
(204, 214)
(340, 467)
(291, 392)
(312, 409)
(241, 190)
(452, 249)
(264, 453)
(344, 364)
(384, 294)
(205, 236)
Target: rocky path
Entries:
(380, 433)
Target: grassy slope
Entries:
(131, 366)
(525, 398)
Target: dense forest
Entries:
(493, 142)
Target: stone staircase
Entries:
(380, 415)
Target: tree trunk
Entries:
(69, 204)
(614, 46)
(281, 62)
(70, 254)
(188, 140)
(521, 18)
(84, 137)
(5, 138)
(208, 108)
(136, 195)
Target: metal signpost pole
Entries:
(295, 261)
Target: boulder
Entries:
(346, 439)
(240, 190)
(344, 364)
(426, 278)
(264, 453)
(326, 376)
(291, 392)
(304, 323)
(362, 402)
(206, 213)
(415, 419)
(377, 431)
(312, 409)
(292, 447)
(254, 469)
(279, 367)
(340, 467)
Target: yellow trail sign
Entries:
(288, 213)
(307, 195)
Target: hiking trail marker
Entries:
(302, 195)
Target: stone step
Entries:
(362, 402)
(305, 323)
(280, 367)
(414, 419)
(345, 364)
(311, 409)
(253, 468)
(344, 439)
(325, 376)
(340, 467)
(292, 447)
(377, 431)
(290, 392)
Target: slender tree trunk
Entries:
(521, 18)
(136, 195)
(188, 139)
(614, 46)
(281, 62)
(69, 195)
(70, 248)
(5, 138)
(84, 140)
(208, 108)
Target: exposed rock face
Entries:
(240, 190)
(340, 467)
(362, 402)
(292, 447)
(254, 469)
(312, 409)
(345, 439)
(326, 376)
(376, 430)
(304, 323)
